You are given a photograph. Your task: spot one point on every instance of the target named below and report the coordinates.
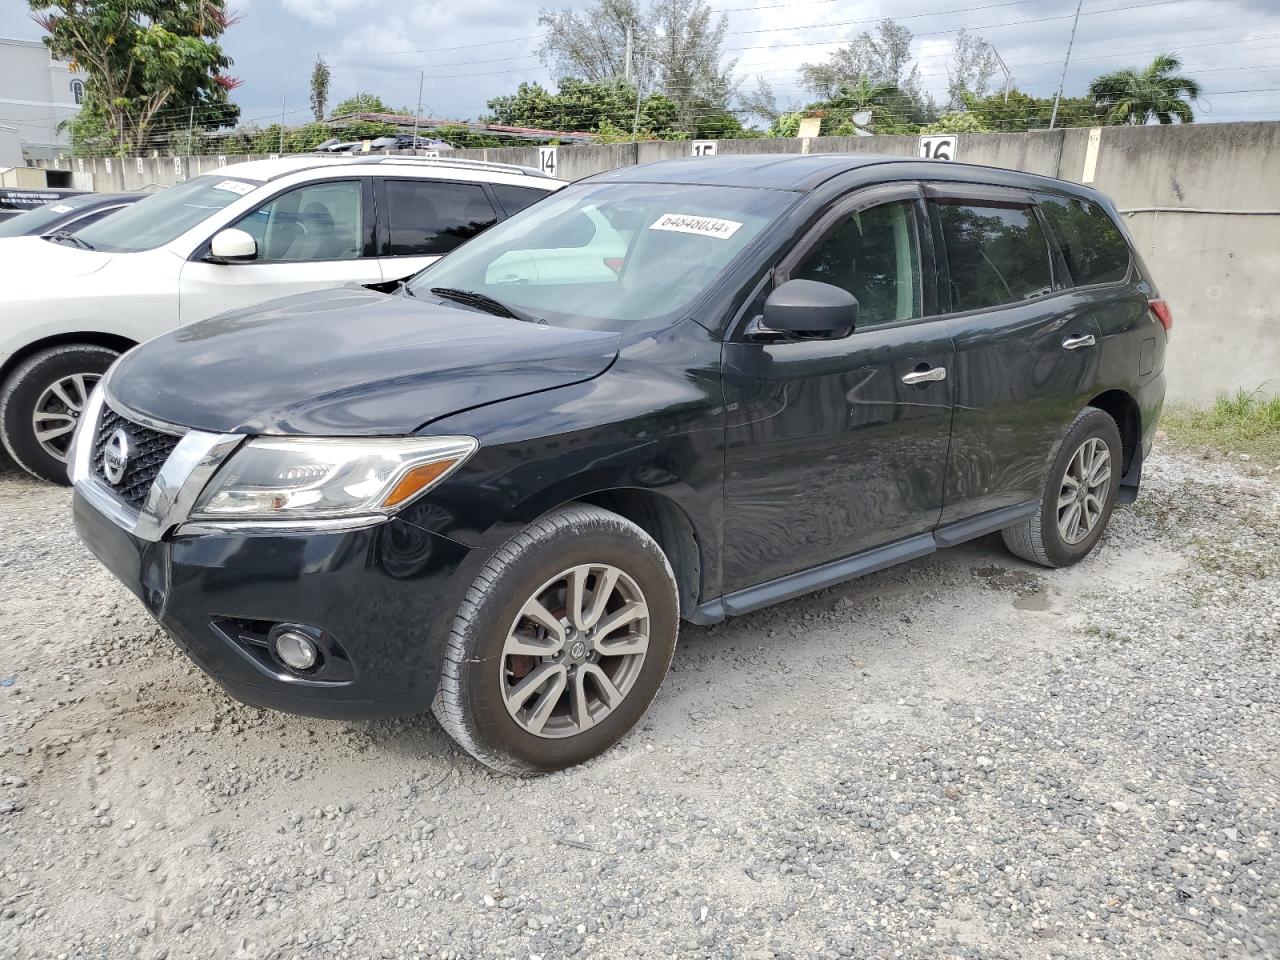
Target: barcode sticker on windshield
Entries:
(235, 186)
(701, 226)
(62, 208)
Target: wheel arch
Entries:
(1124, 410)
(110, 341)
(667, 522)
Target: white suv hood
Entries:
(25, 260)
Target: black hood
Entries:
(349, 362)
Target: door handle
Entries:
(1078, 341)
(925, 376)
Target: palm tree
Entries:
(1129, 96)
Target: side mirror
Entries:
(233, 246)
(809, 307)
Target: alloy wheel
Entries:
(575, 650)
(1083, 494)
(58, 411)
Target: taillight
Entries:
(1161, 309)
(614, 263)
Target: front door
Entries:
(1026, 351)
(835, 446)
(312, 237)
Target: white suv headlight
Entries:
(312, 478)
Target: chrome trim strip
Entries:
(276, 527)
(124, 410)
(181, 480)
(80, 453)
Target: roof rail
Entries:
(450, 162)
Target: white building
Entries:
(37, 93)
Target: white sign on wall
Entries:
(548, 163)
(139, 161)
(432, 154)
(222, 162)
(177, 166)
(704, 148)
(108, 160)
(940, 147)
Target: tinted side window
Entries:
(1095, 250)
(515, 199)
(875, 255)
(431, 217)
(318, 221)
(997, 254)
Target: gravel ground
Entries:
(962, 757)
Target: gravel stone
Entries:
(964, 757)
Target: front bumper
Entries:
(385, 594)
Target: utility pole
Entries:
(191, 126)
(635, 126)
(418, 112)
(626, 66)
(1061, 83)
(283, 103)
(1008, 77)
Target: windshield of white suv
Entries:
(154, 221)
(607, 255)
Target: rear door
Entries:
(424, 219)
(1026, 356)
(310, 237)
(839, 445)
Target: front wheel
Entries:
(560, 644)
(41, 403)
(1078, 497)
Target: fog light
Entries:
(296, 650)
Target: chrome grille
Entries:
(149, 450)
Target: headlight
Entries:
(305, 478)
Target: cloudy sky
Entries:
(475, 50)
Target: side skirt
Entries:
(869, 561)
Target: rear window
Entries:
(1092, 245)
(431, 217)
(997, 254)
(515, 199)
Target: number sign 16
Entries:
(939, 148)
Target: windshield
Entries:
(155, 220)
(607, 255)
(35, 221)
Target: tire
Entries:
(480, 673)
(29, 386)
(1040, 538)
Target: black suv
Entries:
(685, 390)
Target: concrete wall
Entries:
(1219, 269)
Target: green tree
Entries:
(676, 51)
(1136, 96)
(361, 103)
(1021, 112)
(319, 88)
(152, 67)
(581, 105)
(963, 121)
(881, 58)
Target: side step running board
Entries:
(869, 561)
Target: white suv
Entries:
(69, 305)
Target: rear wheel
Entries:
(1078, 497)
(41, 403)
(561, 643)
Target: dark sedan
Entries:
(66, 214)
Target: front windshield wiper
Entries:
(486, 303)
(66, 236)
